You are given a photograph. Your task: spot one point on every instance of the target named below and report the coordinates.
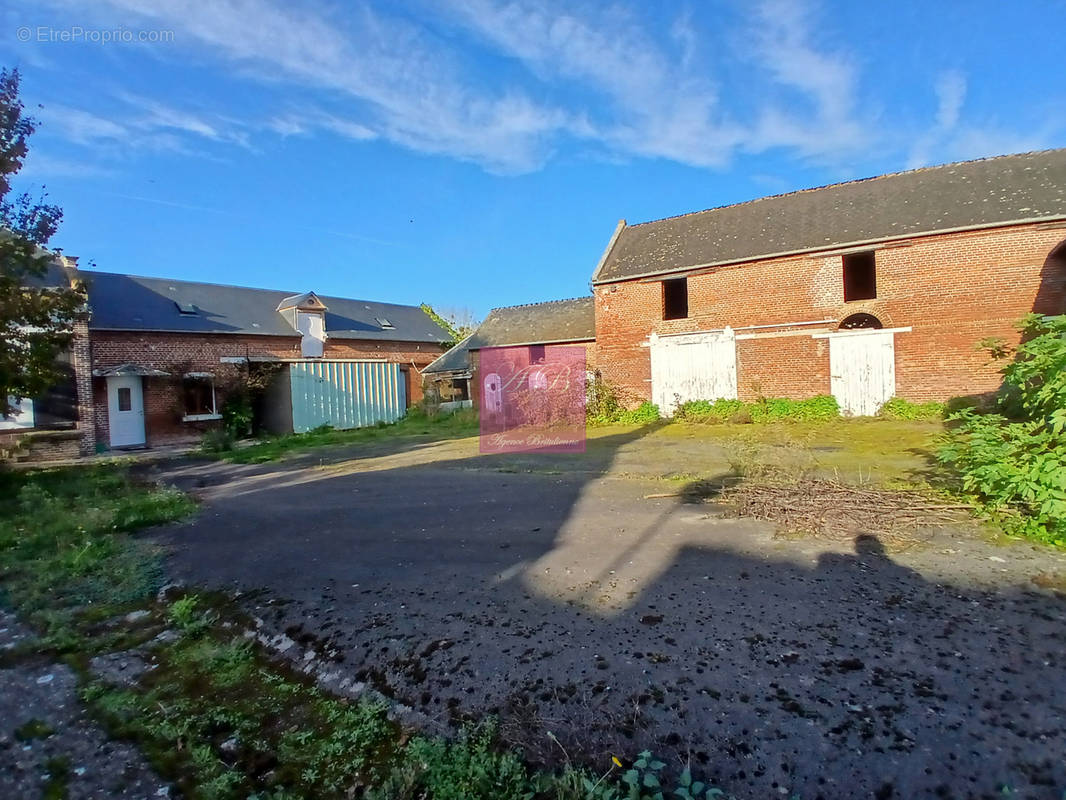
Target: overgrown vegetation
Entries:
(1013, 459)
(455, 425)
(772, 409)
(64, 541)
(603, 407)
(898, 408)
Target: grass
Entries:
(65, 543)
(416, 424)
(892, 453)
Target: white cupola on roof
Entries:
(307, 314)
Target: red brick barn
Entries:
(865, 290)
(167, 353)
(540, 327)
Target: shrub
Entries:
(602, 406)
(708, 410)
(1018, 466)
(601, 402)
(218, 440)
(823, 407)
(641, 415)
(898, 408)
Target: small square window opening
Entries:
(675, 298)
(860, 276)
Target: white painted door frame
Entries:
(692, 366)
(125, 410)
(862, 368)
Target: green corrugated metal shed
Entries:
(345, 394)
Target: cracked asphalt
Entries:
(553, 592)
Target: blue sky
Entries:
(474, 153)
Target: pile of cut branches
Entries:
(838, 511)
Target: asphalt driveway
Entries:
(556, 594)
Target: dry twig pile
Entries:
(839, 511)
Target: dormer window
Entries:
(307, 314)
(312, 327)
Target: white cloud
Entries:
(621, 84)
(826, 81)
(397, 81)
(950, 93)
(79, 126)
(40, 166)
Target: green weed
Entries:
(900, 409)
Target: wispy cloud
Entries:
(398, 81)
(610, 77)
(40, 166)
(950, 137)
(817, 115)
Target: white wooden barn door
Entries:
(695, 366)
(862, 371)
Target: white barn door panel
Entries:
(862, 370)
(696, 366)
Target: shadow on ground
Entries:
(556, 595)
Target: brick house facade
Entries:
(167, 353)
(224, 356)
(940, 284)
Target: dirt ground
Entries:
(49, 747)
(566, 594)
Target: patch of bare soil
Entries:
(839, 512)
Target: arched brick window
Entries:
(858, 321)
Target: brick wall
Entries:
(178, 353)
(81, 360)
(952, 289)
(475, 362)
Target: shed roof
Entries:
(970, 194)
(456, 359)
(130, 302)
(538, 323)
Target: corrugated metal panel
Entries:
(345, 394)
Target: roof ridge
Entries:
(288, 293)
(541, 303)
(928, 168)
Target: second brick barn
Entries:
(865, 290)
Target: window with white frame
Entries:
(198, 393)
(21, 417)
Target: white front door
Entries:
(125, 410)
(862, 371)
(694, 366)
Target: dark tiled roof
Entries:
(128, 302)
(537, 323)
(457, 359)
(970, 194)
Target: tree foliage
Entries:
(459, 323)
(36, 321)
(1014, 460)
